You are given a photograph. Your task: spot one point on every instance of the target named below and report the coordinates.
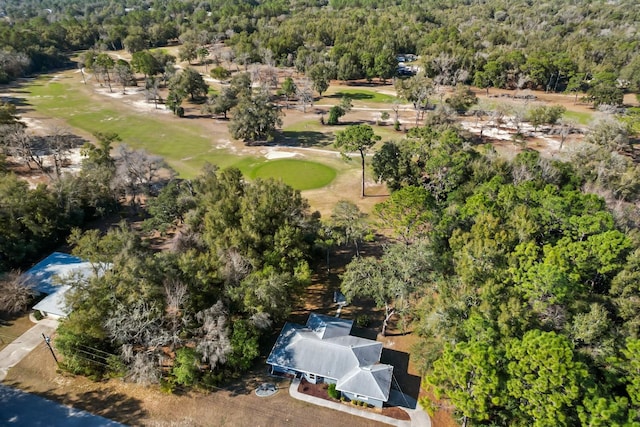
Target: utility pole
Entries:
(47, 341)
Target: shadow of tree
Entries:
(358, 96)
(304, 138)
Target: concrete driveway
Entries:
(12, 354)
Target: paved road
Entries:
(12, 354)
(18, 408)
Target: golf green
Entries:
(300, 174)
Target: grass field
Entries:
(183, 143)
(362, 95)
(299, 174)
(579, 116)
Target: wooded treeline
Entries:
(35, 219)
(193, 313)
(518, 44)
(519, 276)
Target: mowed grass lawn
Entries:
(361, 95)
(300, 174)
(182, 143)
(584, 118)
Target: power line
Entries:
(96, 349)
(92, 360)
(87, 359)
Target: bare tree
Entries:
(269, 76)
(213, 343)
(18, 143)
(566, 128)
(236, 267)
(304, 92)
(151, 91)
(143, 366)
(261, 320)
(139, 324)
(396, 110)
(176, 295)
(185, 239)
(16, 292)
(444, 66)
(137, 171)
(60, 142)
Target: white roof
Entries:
(376, 380)
(55, 303)
(327, 350)
(47, 273)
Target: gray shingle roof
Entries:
(325, 348)
(327, 326)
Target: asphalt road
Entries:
(18, 408)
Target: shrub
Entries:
(334, 114)
(211, 380)
(185, 369)
(167, 386)
(220, 73)
(396, 125)
(117, 368)
(332, 392)
(362, 321)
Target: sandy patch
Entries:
(276, 154)
(142, 105)
(117, 91)
(32, 124)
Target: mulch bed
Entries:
(320, 390)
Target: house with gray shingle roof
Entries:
(325, 351)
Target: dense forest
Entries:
(519, 276)
(557, 45)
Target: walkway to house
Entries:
(12, 354)
(419, 418)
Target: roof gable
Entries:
(55, 303)
(327, 326)
(371, 381)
